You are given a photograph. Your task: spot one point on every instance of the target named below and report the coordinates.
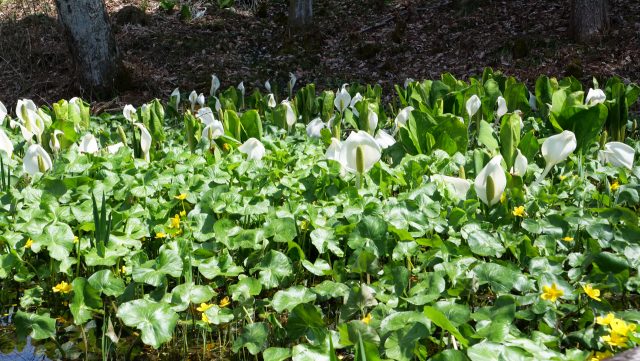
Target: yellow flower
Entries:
(175, 222)
(621, 327)
(562, 177)
(604, 321)
(518, 211)
(62, 287)
(75, 239)
(615, 185)
(503, 197)
(599, 356)
(567, 239)
(367, 318)
(205, 318)
(551, 293)
(29, 243)
(183, 213)
(592, 292)
(181, 196)
(224, 302)
(123, 269)
(615, 339)
(204, 306)
(161, 235)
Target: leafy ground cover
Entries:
(474, 220)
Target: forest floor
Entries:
(372, 41)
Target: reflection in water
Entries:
(10, 350)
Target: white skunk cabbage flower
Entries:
(88, 144)
(36, 160)
(384, 139)
(130, 113)
(290, 115)
(241, 88)
(54, 142)
(359, 152)
(333, 152)
(114, 148)
(271, 101)
(3, 113)
(618, 154)
(205, 115)
(29, 120)
(595, 96)
(253, 148)
(5, 144)
(403, 117)
(502, 107)
(556, 149)
(213, 130)
(532, 102)
(458, 186)
(175, 95)
(201, 100)
(473, 105)
(215, 85)
(314, 128)
(342, 100)
(491, 182)
(292, 80)
(372, 121)
(520, 165)
(145, 141)
(267, 85)
(193, 99)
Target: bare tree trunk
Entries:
(588, 19)
(300, 13)
(91, 43)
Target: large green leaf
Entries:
(38, 327)
(155, 320)
(104, 281)
(290, 298)
(253, 338)
(85, 301)
(441, 321)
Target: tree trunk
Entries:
(300, 13)
(589, 18)
(91, 43)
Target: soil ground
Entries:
(373, 41)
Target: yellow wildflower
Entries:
(183, 213)
(621, 327)
(161, 235)
(175, 222)
(224, 302)
(29, 243)
(204, 306)
(615, 185)
(75, 239)
(366, 319)
(591, 292)
(567, 239)
(605, 321)
(503, 197)
(599, 356)
(562, 177)
(123, 269)
(205, 318)
(62, 287)
(518, 211)
(615, 339)
(551, 293)
(181, 196)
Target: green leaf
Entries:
(38, 327)
(154, 272)
(57, 237)
(155, 321)
(253, 338)
(251, 125)
(245, 289)
(441, 321)
(486, 137)
(217, 315)
(274, 268)
(190, 293)
(86, 299)
(290, 298)
(510, 138)
(104, 281)
(306, 320)
(276, 354)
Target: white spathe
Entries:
(193, 99)
(213, 130)
(267, 85)
(384, 139)
(473, 105)
(253, 148)
(145, 141)
(342, 100)
(520, 165)
(502, 107)
(176, 94)
(271, 101)
(130, 113)
(458, 186)
(333, 152)
(215, 85)
(292, 80)
(289, 115)
(556, 149)
(595, 96)
(532, 102)
(3, 113)
(371, 151)
(618, 154)
(494, 170)
(372, 121)
(54, 142)
(114, 148)
(241, 88)
(403, 117)
(314, 128)
(5, 143)
(201, 100)
(88, 144)
(205, 115)
(30, 162)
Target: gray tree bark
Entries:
(589, 18)
(300, 13)
(91, 43)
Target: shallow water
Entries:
(9, 346)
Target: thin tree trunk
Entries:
(300, 13)
(91, 43)
(589, 18)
